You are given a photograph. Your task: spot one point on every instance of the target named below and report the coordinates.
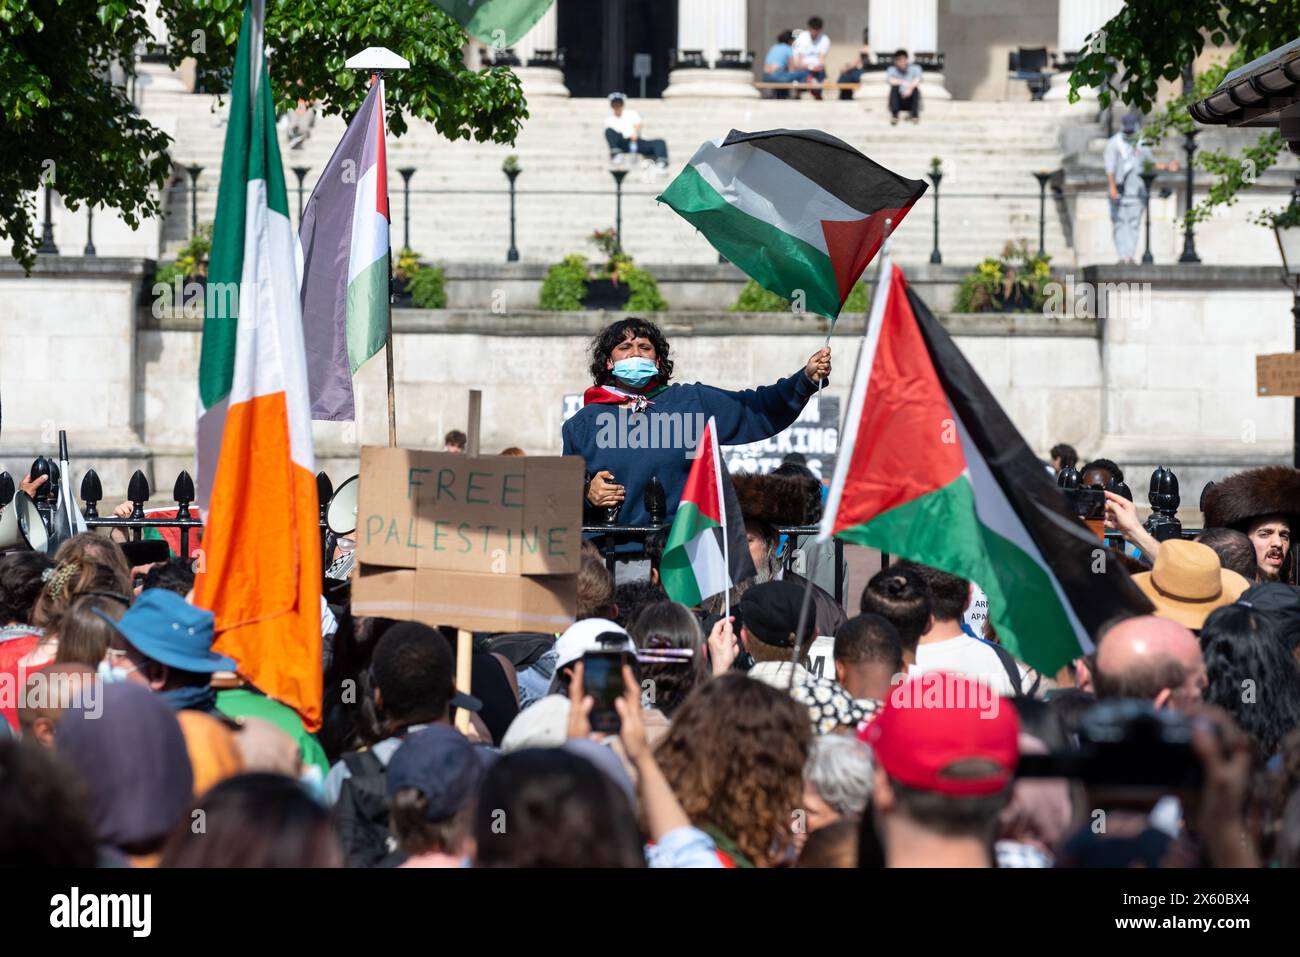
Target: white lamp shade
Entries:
(1288, 241)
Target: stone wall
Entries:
(1166, 376)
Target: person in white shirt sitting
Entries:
(811, 47)
(623, 134)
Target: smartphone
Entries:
(602, 678)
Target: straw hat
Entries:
(1187, 583)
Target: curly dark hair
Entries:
(602, 347)
(735, 756)
(1239, 646)
(21, 584)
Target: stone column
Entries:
(540, 80)
(911, 25)
(711, 25)
(1076, 19)
(157, 77)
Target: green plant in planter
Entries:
(427, 287)
(565, 285)
(754, 298)
(408, 260)
(511, 164)
(192, 260)
(1016, 281)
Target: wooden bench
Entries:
(804, 87)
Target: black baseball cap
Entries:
(1280, 604)
(770, 612)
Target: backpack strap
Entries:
(1012, 669)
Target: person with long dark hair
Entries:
(1251, 675)
(255, 820)
(636, 424)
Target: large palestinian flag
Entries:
(498, 23)
(706, 551)
(798, 210)
(932, 469)
(343, 262)
(260, 572)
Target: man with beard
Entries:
(1264, 503)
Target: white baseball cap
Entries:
(591, 634)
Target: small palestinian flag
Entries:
(931, 469)
(706, 551)
(797, 210)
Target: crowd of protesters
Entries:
(120, 724)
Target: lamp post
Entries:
(90, 227)
(1189, 146)
(936, 176)
(512, 172)
(618, 175)
(301, 172)
(407, 172)
(47, 245)
(194, 172)
(1287, 231)
(1148, 177)
(1042, 175)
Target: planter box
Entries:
(603, 294)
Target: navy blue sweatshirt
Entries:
(636, 447)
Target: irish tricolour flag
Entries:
(932, 469)
(798, 210)
(706, 551)
(343, 262)
(260, 568)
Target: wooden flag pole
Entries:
(464, 654)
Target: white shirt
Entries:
(967, 656)
(624, 125)
(812, 52)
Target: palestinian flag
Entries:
(707, 551)
(931, 469)
(260, 572)
(343, 262)
(797, 210)
(498, 23)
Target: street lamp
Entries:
(936, 175)
(512, 170)
(194, 172)
(301, 172)
(1286, 226)
(407, 172)
(618, 175)
(47, 245)
(89, 249)
(1148, 177)
(1189, 146)
(1042, 175)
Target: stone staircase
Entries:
(460, 209)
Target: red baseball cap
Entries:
(932, 721)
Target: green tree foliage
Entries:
(1155, 40)
(61, 117)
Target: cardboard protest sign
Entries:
(1278, 374)
(483, 543)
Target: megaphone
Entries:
(341, 516)
(21, 525)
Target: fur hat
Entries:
(778, 500)
(1241, 498)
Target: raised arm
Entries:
(756, 414)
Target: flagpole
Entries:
(388, 339)
(806, 603)
(717, 481)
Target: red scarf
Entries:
(611, 395)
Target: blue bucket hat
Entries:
(166, 628)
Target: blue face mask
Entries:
(635, 372)
(110, 674)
